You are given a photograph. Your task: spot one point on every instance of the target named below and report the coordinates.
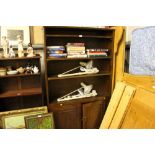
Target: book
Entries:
(75, 44)
(77, 56)
(58, 55)
(97, 50)
(97, 56)
(51, 48)
(56, 52)
(75, 48)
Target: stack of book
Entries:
(76, 50)
(56, 51)
(93, 53)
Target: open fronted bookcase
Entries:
(85, 112)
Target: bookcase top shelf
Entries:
(81, 28)
(79, 36)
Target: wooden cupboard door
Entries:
(93, 114)
(66, 116)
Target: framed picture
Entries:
(15, 119)
(41, 121)
(11, 33)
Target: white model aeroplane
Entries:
(85, 68)
(83, 92)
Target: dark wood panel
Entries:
(89, 43)
(20, 102)
(66, 116)
(21, 92)
(93, 113)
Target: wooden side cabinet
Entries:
(78, 115)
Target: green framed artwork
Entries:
(41, 121)
(15, 119)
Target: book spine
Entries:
(77, 56)
(75, 44)
(58, 55)
(55, 52)
(76, 52)
(97, 56)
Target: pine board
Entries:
(113, 104)
(122, 107)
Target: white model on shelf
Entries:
(11, 52)
(20, 46)
(83, 92)
(35, 69)
(30, 51)
(85, 68)
(5, 44)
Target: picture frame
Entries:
(11, 33)
(14, 119)
(41, 121)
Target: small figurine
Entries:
(29, 70)
(30, 50)
(11, 52)
(5, 46)
(21, 70)
(20, 46)
(35, 70)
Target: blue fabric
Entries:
(142, 51)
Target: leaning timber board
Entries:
(122, 107)
(113, 104)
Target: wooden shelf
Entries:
(35, 47)
(82, 28)
(79, 36)
(79, 76)
(22, 92)
(22, 58)
(51, 59)
(19, 75)
(83, 100)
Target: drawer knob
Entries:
(61, 104)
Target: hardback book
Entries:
(75, 48)
(57, 55)
(77, 56)
(75, 44)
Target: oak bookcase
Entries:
(86, 112)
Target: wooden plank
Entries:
(113, 104)
(122, 107)
(141, 113)
(145, 82)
